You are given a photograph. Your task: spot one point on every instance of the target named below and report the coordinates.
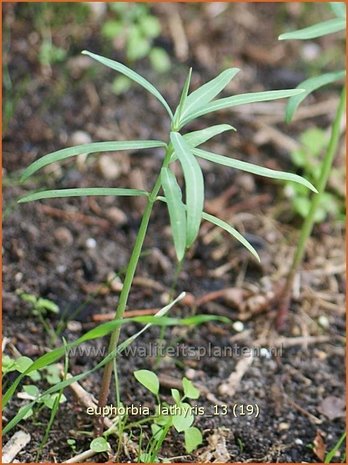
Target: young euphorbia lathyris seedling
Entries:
(185, 217)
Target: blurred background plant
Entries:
(133, 29)
(307, 158)
(314, 208)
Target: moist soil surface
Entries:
(283, 404)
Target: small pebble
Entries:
(80, 138)
(74, 326)
(114, 282)
(283, 426)
(310, 51)
(63, 236)
(108, 167)
(91, 243)
(238, 326)
(116, 215)
(299, 442)
(61, 269)
(323, 321)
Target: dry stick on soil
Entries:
(307, 226)
(14, 446)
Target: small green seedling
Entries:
(100, 444)
(72, 443)
(309, 85)
(308, 159)
(186, 212)
(178, 416)
(19, 364)
(134, 28)
(41, 308)
(32, 392)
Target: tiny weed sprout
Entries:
(179, 415)
(185, 205)
(312, 209)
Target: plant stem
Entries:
(309, 221)
(127, 284)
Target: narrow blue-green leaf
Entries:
(194, 186)
(339, 9)
(176, 209)
(183, 97)
(242, 99)
(131, 75)
(95, 147)
(204, 94)
(254, 169)
(309, 85)
(81, 192)
(196, 138)
(222, 224)
(317, 30)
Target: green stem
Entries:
(127, 284)
(160, 340)
(309, 221)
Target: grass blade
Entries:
(317, 30)
(95, 147)
(194, 186)
(131, 75)
(243, 99)
(309, 85)
(157, 319)
(222, 224)
(254, 169)
(183, 97)
(176, 209)
(204, 94)
(81, 192)
(95, 333)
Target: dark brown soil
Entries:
(65, 250)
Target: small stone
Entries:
(310, 51)
(74, 326)
(91, 243)
(61, 269)
(324, 321)
(63, 236)
(190, 373)
(238, 326)
(114, 282)
(80, 138)
(283, 426)
(116, 215)
(299, 442)
(108, 167)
